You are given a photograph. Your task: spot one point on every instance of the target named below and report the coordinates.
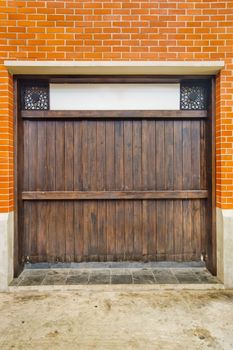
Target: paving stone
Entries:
(99, 278)
(185, 276)
(140, 278)
(32, 280)
(205, 277)
(81, 278)
(59, 279)
(33, 273)
(164, 276)
(121, 279)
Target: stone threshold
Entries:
(111, 278)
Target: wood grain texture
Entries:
(115, 188)
(113, 114)
(111, 195)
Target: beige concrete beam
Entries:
(115, 67)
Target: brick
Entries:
(120, 30)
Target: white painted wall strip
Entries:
(114, 96)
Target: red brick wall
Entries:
(119, 30)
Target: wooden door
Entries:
(112, 186)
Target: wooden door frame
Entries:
(144, 79)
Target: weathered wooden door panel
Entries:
(78, 175)
(115, 156)
(104, 230)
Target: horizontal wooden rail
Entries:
(86, 195)
(129, 114)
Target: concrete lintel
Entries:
(115, 67)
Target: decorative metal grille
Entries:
(35, 97)
(193, 96)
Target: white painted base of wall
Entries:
(225, 246)
(6, 249)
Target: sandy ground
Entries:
(116, 320)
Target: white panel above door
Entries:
(114, 96)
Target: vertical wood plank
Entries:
(42, 185)
(178, 229)
(102, 229)
(137, 155)
(69, 186)
(187, 227)
(178, 185)
(78, 170)
(30, 178)
(160, 155)
(60, 155)
(187, 183)
(78, 186)
(78, 231)
(92, 181)
(195, 154)
(60, 231)
(128, 175)
(85, 155)
(169, 184)
(31, 153)
(51, 230)
(33, 229)
(41, 158)
(119, 155)
(86, 229)
(111, 229)
(203, 155)
(26, 156)
(120, 185)
(170, 251)
(26, 235)
(100, 185)
(196, 228)
(69, 156)
(152, 229)
(93, 229)
(160, 184)
(120, 229)
(137, 185)
(137, 218)
(51, 186)
(110, 185)
(196, 184)
(100, 155)
(42, 230)
(50, 156)
(60, 186)
(161, 229)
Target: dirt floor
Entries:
(116, 320)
